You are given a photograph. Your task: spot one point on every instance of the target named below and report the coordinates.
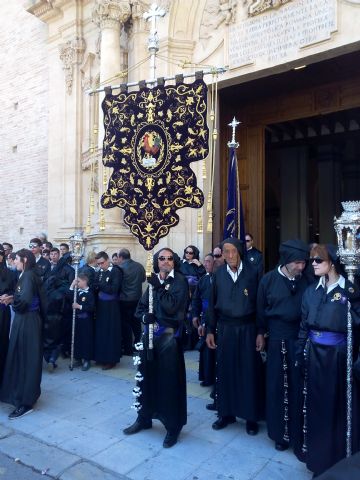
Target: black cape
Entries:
(22, 374)
(164, 386)
(326, 376)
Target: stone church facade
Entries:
(52, 133)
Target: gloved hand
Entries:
(148, 318)
(154, 281)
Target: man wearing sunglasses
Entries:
(279, 313)
(42, 267)
(161, 388)
(253, 256)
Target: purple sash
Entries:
(192, 280)
(205, 305)
(82, 315)
(327, 338)
(35, 304)
(107, 296)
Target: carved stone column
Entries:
(110, 16)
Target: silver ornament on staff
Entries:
(347, 228)
(150, 342)
(77, 248)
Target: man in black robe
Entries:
(253, 256)
(134, 276)
(199, 306)
(42, 267)
(231, 313)
(161, 388)
(279, 313)
(108, 318)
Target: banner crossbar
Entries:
(211, 71)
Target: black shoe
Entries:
(137, 426)
(86, 365)
(171, 439)
(20, 412)
(281, 446)
(51, 366)
(205, 384)
(211, 406)
(252, 428)
(223, 422)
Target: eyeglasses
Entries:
(170, 258)
(34, 245)
(317, 260)
(217, 255)
(189, 253)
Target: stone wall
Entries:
(23, 124)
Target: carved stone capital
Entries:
(71, 53)
(111, 13)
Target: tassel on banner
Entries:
(204, 170)
(200, 228)
(210, 222)
(102, 220)
(149, 264)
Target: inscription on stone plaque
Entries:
(277, 36)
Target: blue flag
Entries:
(234, 221)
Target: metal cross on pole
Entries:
(233, 124)
(153, 42)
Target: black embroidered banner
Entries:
(151, 137)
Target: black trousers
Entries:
(131, 326)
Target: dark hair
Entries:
(12, 255)
(46, 251)
(125, 254)
(194, 249)
(54, 249)
(48, 245)
(29, 256)
(249, 235)
(103, 255)
(35, 240)
(65, 245)
(156, 259)
(219, 245)
(8, 244)
(209, 255)
(84, 276)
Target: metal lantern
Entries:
(347, 228)
(77, 247)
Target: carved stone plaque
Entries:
(277, 36)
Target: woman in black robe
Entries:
(321, 354)
(7, 285)
(22, 374)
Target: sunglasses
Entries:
(189, 253)
(217, 255)
(247, 241)
(34, 245)
(317, 260)
(162, 259)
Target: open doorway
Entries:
(311, 165)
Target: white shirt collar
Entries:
(340, 282)
(234, 275)
(171, 274)
(283, 274)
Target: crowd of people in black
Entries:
(271, 346)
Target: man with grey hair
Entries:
(134, 276)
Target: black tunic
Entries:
(7, 285)
(84, 325)
(254, 258)
(199, 306)
(108, 318)
(231, 313)
(279, 314)
(164, 385)
(326, 375)
(42, 268)
(22, 375)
